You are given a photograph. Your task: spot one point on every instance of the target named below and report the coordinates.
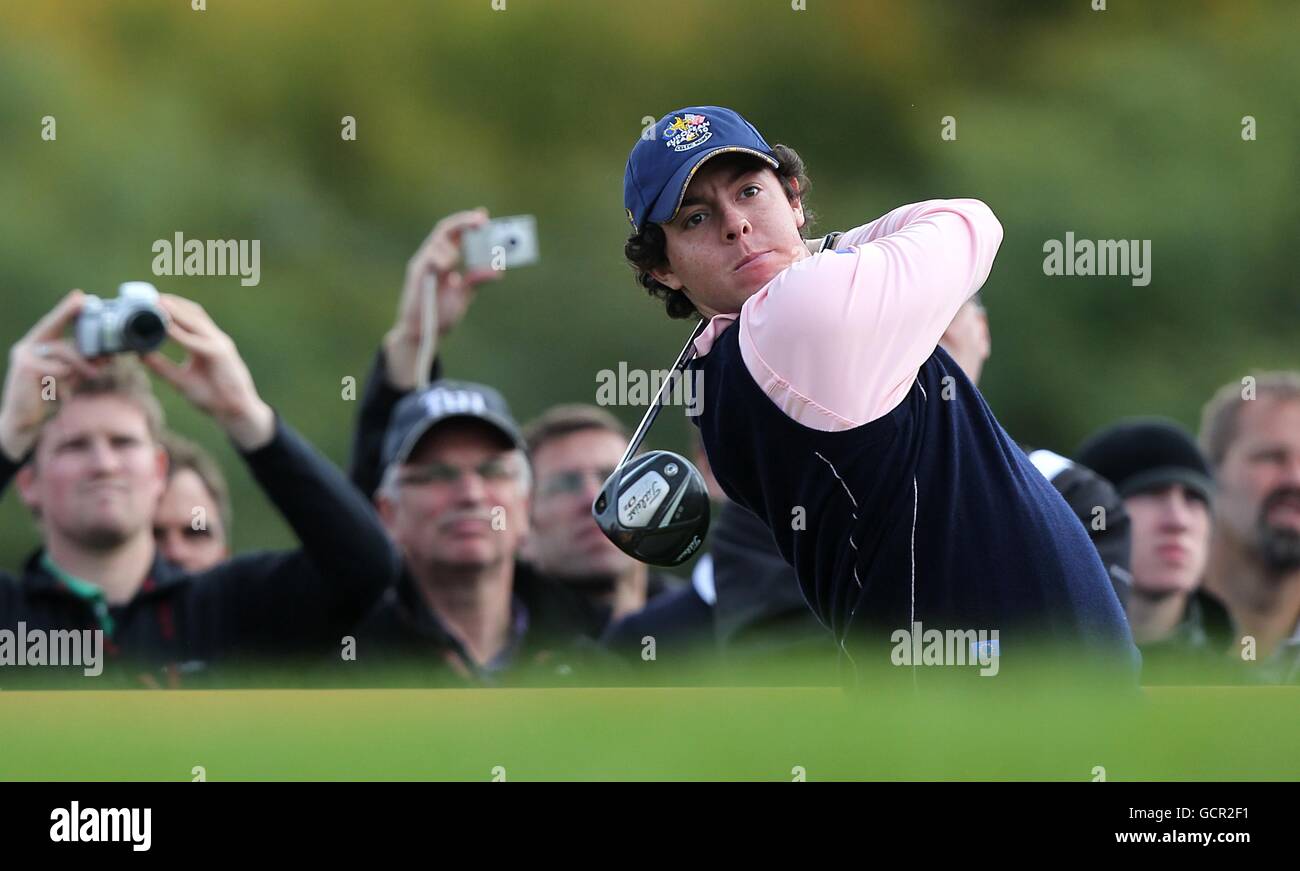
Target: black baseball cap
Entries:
(441, 401)
(1147, 453)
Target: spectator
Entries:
(1165, 483)
(1251, 434)
(574, 449)
(395, 370)
(93, 472)
(454, 497)
(572, 441)
(967, 338)
(192, 523)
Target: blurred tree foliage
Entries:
(225, 124)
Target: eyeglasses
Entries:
(493, 471)
(572, 482)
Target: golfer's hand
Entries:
(37, 356)
(438, 257)
(213, 376)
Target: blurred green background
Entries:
(225, 124)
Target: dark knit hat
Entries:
(1146, 453)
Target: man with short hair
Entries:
(574, 449)
(570, 445)
(901, 508)
(454, 498)
(90, 467)
(1251, 434)
(193, 520)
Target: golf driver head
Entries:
(655, 508)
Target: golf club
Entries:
(655, 508)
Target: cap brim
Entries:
(1163, 476)
(665, 208)
(496, 422)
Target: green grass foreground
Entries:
(655, 734)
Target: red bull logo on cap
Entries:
(687, 131)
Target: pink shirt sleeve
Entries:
(836, 339)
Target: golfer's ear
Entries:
(665, 276)
(796, 203)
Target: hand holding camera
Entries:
(213, 377)
(41, 364)
(464, 250)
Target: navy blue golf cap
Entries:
(421, 411)
(665, 159)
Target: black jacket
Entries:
(249, 608)
(378, 399)
(403, 643)
(1197, 650)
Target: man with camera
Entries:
(467, 609)
(571, 447)
(81, 438)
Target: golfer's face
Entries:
(734, 232)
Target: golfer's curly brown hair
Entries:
(648, 249)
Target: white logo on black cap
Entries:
(443, 402)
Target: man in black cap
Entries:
(454, 498)
(1167, 490)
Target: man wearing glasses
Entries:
(454, 497)
(574, 449)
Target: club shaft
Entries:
(687, 354)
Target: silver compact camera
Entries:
(502, 243)
(134, 321)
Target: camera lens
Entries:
(143, 331)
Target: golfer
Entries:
(832, 414)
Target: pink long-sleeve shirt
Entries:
(836, 339)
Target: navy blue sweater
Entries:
(930, 514)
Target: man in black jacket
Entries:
(81, 438)
(571, 448)
(454, 497)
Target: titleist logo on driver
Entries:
(641, 500)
